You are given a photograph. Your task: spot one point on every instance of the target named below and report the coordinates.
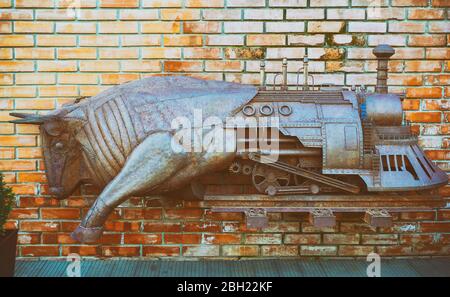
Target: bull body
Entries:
(124, 136)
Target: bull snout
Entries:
(58, 192)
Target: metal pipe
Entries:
(305, 73)
(285, 75)
(263, 75)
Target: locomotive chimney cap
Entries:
(383, 51)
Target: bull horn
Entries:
(26, 118)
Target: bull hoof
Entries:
(87, 235)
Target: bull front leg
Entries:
(150, 164)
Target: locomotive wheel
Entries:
(265, 178)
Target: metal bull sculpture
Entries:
(332, 140)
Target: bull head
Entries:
(62, 154)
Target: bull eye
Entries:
(59, 146)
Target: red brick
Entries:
(424, 117)
(417, 216)
(28, 238)
(355, 250)
(184, 238)
(39, 226)
(60, 213)
(394, 250)
(83, 250)
(119, 3)
(17, 165)
(240, 250)
(142, 238)
(174, 214)
(122, 226)
(279, 250)
(142, 214)
(379, 239)
(120, 251)
(163, 227)
(435, 227)
(220, 238)
(21, 213)
(341, 238)
(39, 250)
(302, 239)
(318, 250)
(161, 251)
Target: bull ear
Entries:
(26, 118)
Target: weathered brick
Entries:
(288, 27)
(73, 28)
(228, 66)
(60, 213)
(222, 14)
(224, 40)
(39, 250)
(183, 40)
(180, 14)
(390, 13)
(427, 40)
(160, 27)
(55, 40)
(16, 14)
(77, 53)
(346, 14)
(318, 250)
(240, 250)
(201, 27)
(54, 14)
(266, 39)
(120, 251)
(202, 53)
(302, 239)
(406, 27)
(426, 14)
(220, 238)
(263, 14)
(139, 238)
(423, 66)
(305, 14)
(341, 238)
(243, 27)
(161, 3)
(370, 27)
(141, 40)
(279, 250)
(246, 3)
(355, 250)
(161, 251)
(119, 3)
(183, 66)
(201, 251)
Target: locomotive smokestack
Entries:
(383, 52)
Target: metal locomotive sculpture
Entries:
(333, 140)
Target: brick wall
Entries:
(49, 57)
